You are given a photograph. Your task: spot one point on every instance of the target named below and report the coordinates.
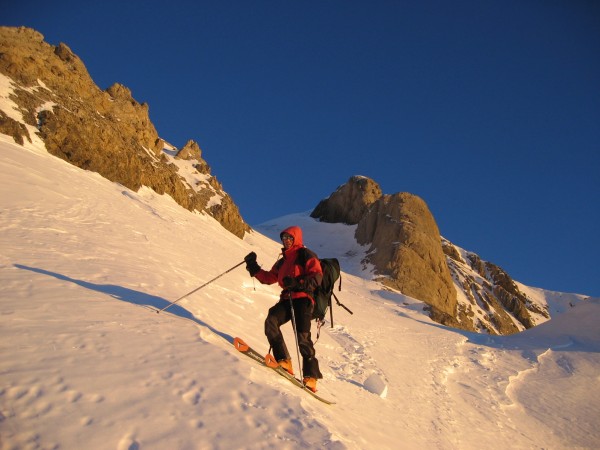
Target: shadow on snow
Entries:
(151, 302)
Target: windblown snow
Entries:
(86, 362)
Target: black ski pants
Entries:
(280, 314)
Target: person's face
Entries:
(287, 240)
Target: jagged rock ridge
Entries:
(107, 132)
(492, 301)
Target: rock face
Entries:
(494, 303)
(349, 203)
(409, 255)
(406, 248)
(405, 243)
(107, 132)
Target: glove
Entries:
(251, 265)
(292, 284)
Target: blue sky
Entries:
(488, 110)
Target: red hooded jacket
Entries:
(310, 275)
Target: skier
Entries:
(298, 283)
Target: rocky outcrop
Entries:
(406, 248)
(107, 132)
(349, 203)
(11, 127)
(409, 255)
(495, 304)
(191, 150)
(405, 243)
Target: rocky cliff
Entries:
(409, 255)
(405, 244)
(105, 131)
(490, 300)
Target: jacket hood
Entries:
(296, 232)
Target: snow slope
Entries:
(86, 362)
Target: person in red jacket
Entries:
(298, 279)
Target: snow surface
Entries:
(86, 362)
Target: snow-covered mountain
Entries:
(86, 362)
(47, 98)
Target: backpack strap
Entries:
(320, 323)
(341, 304)
(303, 255)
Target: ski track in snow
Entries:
(356, 361)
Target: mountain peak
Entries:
(409, 255)
(349, 203)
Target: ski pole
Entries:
(198, 288)
(295, 333)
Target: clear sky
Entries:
(488, 110)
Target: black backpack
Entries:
(322, 294)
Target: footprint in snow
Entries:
(358, 364)
(128, 442)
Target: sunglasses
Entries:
(287, 237)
